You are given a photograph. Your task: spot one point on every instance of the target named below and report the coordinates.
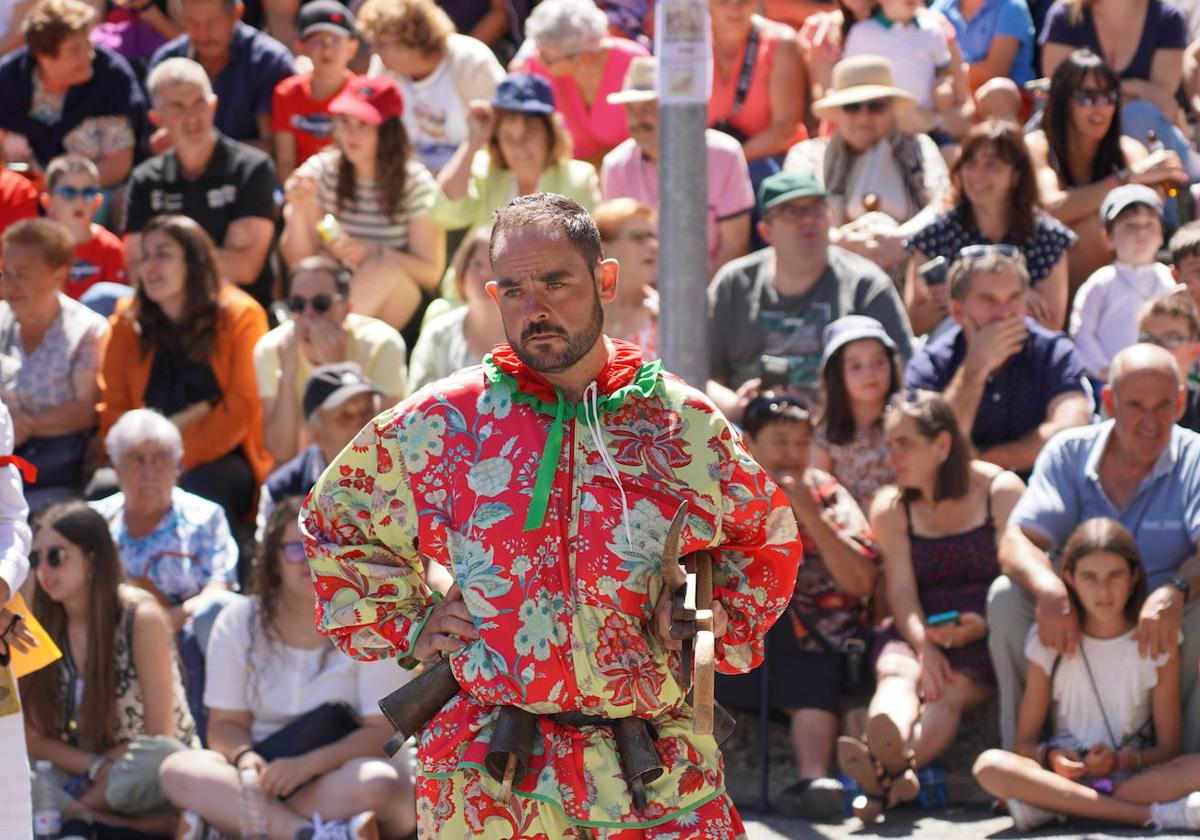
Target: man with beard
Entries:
(544, 481)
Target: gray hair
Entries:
(141, 426)
(175, 71)
(966, 269)
(573, 26)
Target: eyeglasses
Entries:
(319, 303)
(54, 557)
(771, 404)
(1090, 97)
(1171, 341)
(293, 551)
(72, 193)
(873, 106)
(974, 253)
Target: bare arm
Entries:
(1166, 74)
(733, 240)
(1191, 75)
(1052, 296)
(299, 238)
(153, 652)
(787, 107)
(285, 153)
(1035, 706)
(887, 522)
(996, 64)
(1054, 55)
(1065, 411)
(926, 305)
(964, 393)
(244, 251)
(229, 732)
(455, 177)
(1164, 698)
(281, 413)
(494, 25)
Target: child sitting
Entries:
(1172, 322)
(1114, 751)
(72, 198)
(1185, 266)
(1104, 320)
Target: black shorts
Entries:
(796, 678)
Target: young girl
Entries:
(859, 374)
(1114, 751)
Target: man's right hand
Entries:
(1057, 622)
(994, 344)
(449, 628)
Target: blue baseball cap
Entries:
(526, 93)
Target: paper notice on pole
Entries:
(684, 54)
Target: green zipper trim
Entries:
(644, 384)
(546, 800)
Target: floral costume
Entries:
(494, 476)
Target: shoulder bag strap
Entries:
(747, 71)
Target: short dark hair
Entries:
(1185, 243)
(63, 165)
(770, 408)
(933, 415)
(566, 218)
(1104, 534)
(328, 264)
(50, 22)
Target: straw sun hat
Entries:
(861, 79)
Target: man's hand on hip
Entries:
(1159, 622)
(448, 628)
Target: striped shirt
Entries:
(363, 218)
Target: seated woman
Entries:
(583, 64)
(828, 611)
(1080, 155)
(184, 346)
(629, 235)
(993, 199)
(517, 145)
(50, 350)
(269, 668)
(367, 202)
(462, 336)
(108, 712)
(938, 529)
(762, 111)
(439, 71)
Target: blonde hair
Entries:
(418, 24)
(50, 22)
(612, 214)
(64, 165)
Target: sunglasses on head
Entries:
(873, 106)
(1089, 97)
(293, 551)
(319, 303)
(72, 193)
(54, 557)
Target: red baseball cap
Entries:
(370, 99)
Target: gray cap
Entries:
(1126, 196)
(852, 328)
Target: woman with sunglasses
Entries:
(108, 712)
(184, 346)
(1080, 155)
(269, 667)
(993, 199)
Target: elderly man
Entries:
(544, 481)
(227, 187)
(768, 310)
(1012, 382)
(322, 331)
(1139, 468)
(631, 169)
(242, 64)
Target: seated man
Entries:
(1012, 382)
(322, 330)
(225, 186)
(768, 309)
(338, 402)
(1140, 468)
(631, 169)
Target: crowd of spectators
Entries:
(953, 297)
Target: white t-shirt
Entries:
(1104, 318)
(1125, 680)
(245, 672)
(918, 50)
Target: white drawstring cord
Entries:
(598, 442)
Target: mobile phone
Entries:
(935, 271)
(774, 372)
(951, 617)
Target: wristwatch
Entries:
(1182, 585)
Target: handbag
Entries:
(857, 679)
(316, 728)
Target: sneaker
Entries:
(360, 827)
(815, 800)
(1027, 817)
(192, 827)
(1182, 813)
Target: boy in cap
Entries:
(1104, 318)
(300, 118)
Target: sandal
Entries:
(856, 762)
(892, 751)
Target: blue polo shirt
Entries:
(996, 17)
(257, 62)
(1164, 515)
(1016, 396)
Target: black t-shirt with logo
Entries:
(239, 182)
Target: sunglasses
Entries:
(72, 193)
(975, 253)
(873, 106)
(1171, 341)
(54, 557)
(1090, 97)
(293, 551)
(319, 303)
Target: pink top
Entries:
(598, 129)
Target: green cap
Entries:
(785, 186)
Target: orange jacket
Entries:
(237, 418)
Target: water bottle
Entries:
(252, 807)
(47, 818)
(933, 786)
(850, 789)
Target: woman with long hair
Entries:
(367, 202)
(184, 346)
(269, 667)
(993, 199)
(1080, 155)
(107, 713)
